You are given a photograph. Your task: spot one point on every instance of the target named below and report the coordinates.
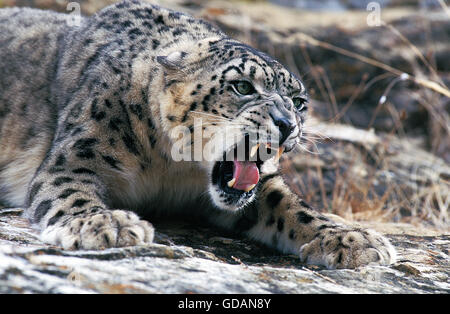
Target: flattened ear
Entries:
(173, 61)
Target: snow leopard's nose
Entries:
(285, 126)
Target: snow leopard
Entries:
(87, 120)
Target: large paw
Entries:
(100, 230)
(348, 248)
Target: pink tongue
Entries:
(246, 174)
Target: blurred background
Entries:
(377, 145)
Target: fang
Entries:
(231, 182)
(250, 187)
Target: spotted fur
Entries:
(86, 114)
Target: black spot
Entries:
(42, 209)
(152, 140)
(81, 212)
(33, 191)
(61, 180)
(88, 41)
(108, 103)
(130, 144)
(178, 31)
(55, 218)
(107, 240)
(192, 107)
(111, 161)
(155, 43)
(230, 68)
(80, 202)
(56, 170)
(83, 171)
(274, 198)
(205, 102)
(150, 124)
(280, 224)
(137, 110)
(135, 32)
(159, 20)
(114, 124)
(66, 193)
(304, 218)
(84, 147)
(339, 259)
(304, 204)
(252, 71)
(98, 116)
(147, 24)
(84, 143)
(60, 161)
(68, 127)
(86, 154)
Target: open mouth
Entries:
(239, 173)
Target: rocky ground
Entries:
(385, 166)
(187, 259)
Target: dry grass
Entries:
(361, 176)
(351, 186)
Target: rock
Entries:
(189, 259)
(360, 174)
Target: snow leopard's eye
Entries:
(300, 103)
(244, 87)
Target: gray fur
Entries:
(85, 119)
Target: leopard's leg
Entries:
(283, 221)
(67, 201)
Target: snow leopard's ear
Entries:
(173, 61)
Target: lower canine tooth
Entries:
(231, 182)
(279, 153)
(250, 187)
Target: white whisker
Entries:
(307, 150)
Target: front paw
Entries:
(103, 229)
(347, 248)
